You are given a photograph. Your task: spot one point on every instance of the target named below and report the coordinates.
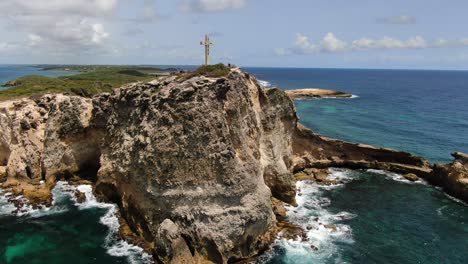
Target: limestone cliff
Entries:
(43, 138)
(190, 163)
(193, 162)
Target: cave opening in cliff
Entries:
(4, 154)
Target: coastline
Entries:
(72, 122)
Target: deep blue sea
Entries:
(375, 217)
(379, 217)
(423, 112)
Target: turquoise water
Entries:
(67, 232)
(376, 217)
(11, 72)
(379, 217)
(423, 112)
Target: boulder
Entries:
(411, 177)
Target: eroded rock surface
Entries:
(200, 168)
(315, 151)
(43, 138)
(453, 177)
(199, 156)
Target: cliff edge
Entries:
(198, 165)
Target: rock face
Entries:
(308, 93)
(199, 167)
(198, 155)
(42, 137)
(315, 151)
(453, 177)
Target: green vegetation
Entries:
(94, 68)
(95, 79)
(215, 71)
(103, 79)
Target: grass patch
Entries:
(85, 84)
(132, 72)
(214, 71)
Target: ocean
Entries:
(374, 217)
(11, 72)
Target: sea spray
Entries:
(324, 229)
(6, 207)
(397, 177)
(264, 84)
(114, 245)
(62, 194)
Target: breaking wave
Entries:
(324, 229)
(397, 177)
(62, 194)
(264, 84)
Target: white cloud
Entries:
(281, 51)
(60, 26)
(302, 44)
(400, 20)
(212, 5)
(332, 44)
(416, 42)
(61, 7)
(6, 47)
(99, 33)
(34, 40)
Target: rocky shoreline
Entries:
(199, 167)
(309, 93)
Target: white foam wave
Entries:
(324, 229)
(264, 84)
(325, 97)
(115, 246)
(341, 175)
(62, 194)
(397, 177)
(6, 207)
(453, 198)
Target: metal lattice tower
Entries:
(207, 43)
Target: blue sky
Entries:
(414, 34)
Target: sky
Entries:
(393, 34)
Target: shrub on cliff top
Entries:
(215, 71)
